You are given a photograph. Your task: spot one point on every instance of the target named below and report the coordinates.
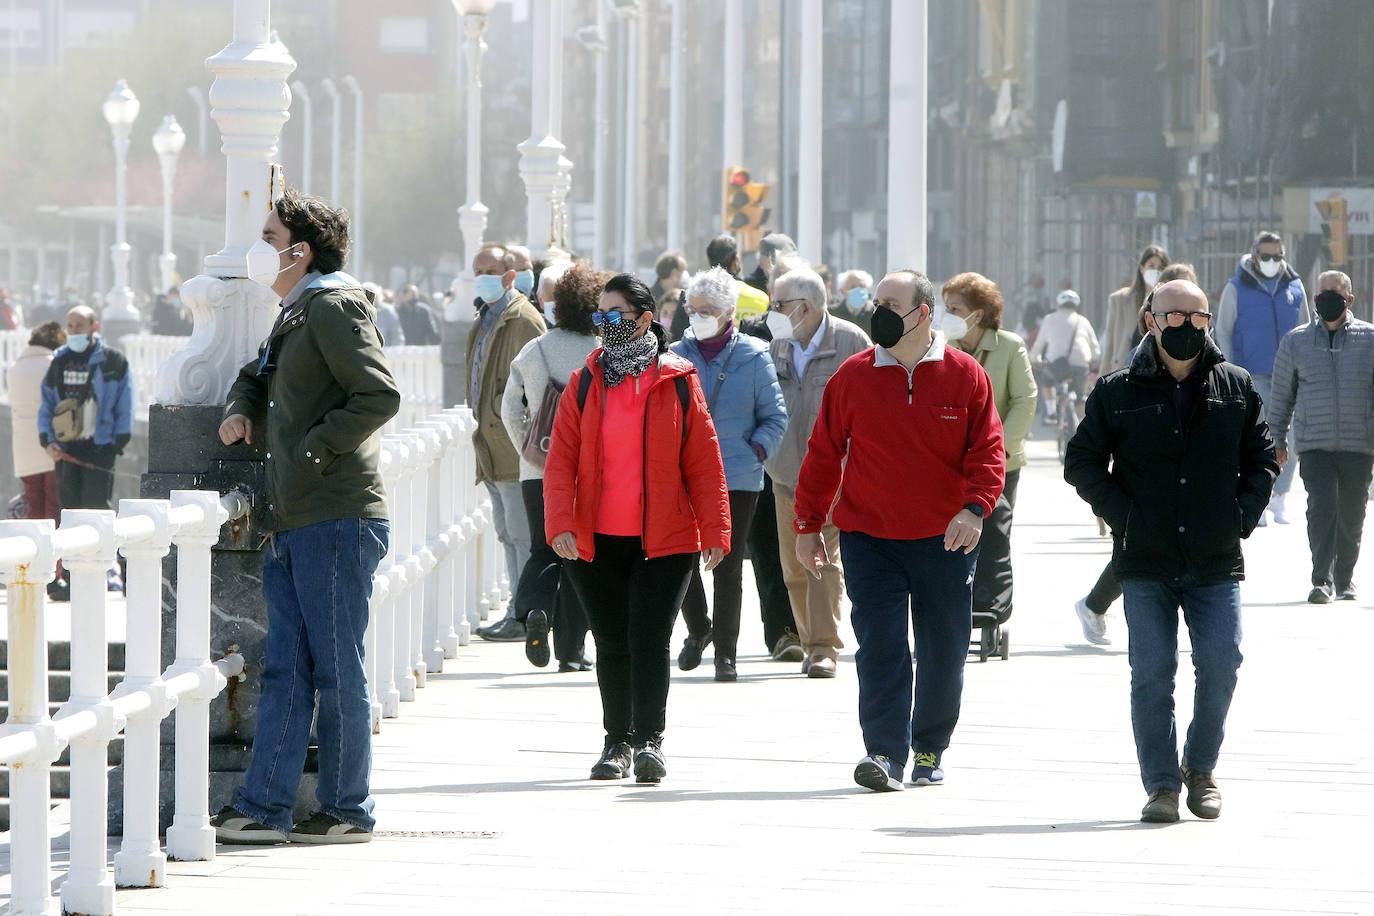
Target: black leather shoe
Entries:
(580, 665)
(537, 638)
(59, 590)
(1162, 808)
(1346, 593)
(507, 629)
(725, 670)
(650, 764)
(692, 647)
(614, 762)
(1320, 594)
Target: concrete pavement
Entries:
(484, 805)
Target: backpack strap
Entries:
(584, 384)
(684, 394)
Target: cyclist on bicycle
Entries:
(1065, 350)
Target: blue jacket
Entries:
(114, 394)
(748, 407)
(1251, 320)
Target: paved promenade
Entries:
(484, 806)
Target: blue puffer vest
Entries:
(1262, 317)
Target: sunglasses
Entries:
(612, 317)
(1271, 257)
(1176, 319)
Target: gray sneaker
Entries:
(1162, 808)
(321, 828)
(237, 829)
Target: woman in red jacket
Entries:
(634, 489)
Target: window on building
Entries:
(98, 28)
(404, 35)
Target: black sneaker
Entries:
(1320, 594)
(1346, 592)
(507, 629)
(1162, 808)
(650, 765)
(692, 647)
(614, 762)
(725, 670)
(537, 638)
(878, 773)
(927, 771)
(581, 664)
(326, 829)
(237, 829)
(1204, 799)
(59, 590)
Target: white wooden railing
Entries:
(418, 372)
(442, 575)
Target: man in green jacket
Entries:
(318, 394)
(505, 323)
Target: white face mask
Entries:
(952, 326)
(1150, 276)
(548, 313)
(1270, 268)
(264, 262)
(705, 326)
(779, 325)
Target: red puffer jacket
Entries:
(686, 503)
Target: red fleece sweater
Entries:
(905, 451)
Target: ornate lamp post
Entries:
(120, 109)
(906, 137)
(472, 215)
(351, 84)
(543, 166)
(168, 141)
(299, 90)
(627, 11)
(593, 39)
(335, 137)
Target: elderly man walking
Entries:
(1324, 374)
(808, 347)
(1173, 452)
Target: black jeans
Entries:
(86, 488)
(992, 590)
(774, 606)
(727, 581)
(541, 583)
(1337, 491)
(631, 604)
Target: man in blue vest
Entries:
(1261, 303)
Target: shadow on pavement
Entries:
(534, 785)
(658, 794)
(1067, 651)
(1013, 829)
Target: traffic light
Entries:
(1335, 214)
(743, 210)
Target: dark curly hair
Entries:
(639, 298)
(575, 296)
(322, 227)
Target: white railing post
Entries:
(30, 843)
(370, 667)
(474, 594)
(191, 838)
(404, 448)
(429, 655)
(388, 691)
(420, 452)
(460, 633)
(89, 887)
(450, 534)
(140, 861)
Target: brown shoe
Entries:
(821, 667)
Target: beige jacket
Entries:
(497, 459)
(25, 383)
(842, 340)
(1120, 327)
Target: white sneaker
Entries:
(1094, 625)
(1276, 506)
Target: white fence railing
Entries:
(443, 574)
(418, 372)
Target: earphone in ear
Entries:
(297, 254)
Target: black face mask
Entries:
(1330, 305)
(888, 327)
(1183, 342)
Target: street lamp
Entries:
(168, 141)
(543, 167)
(472, 215)
(356, 91)
(627, 11)
(300, 91)
(120, 109)
(335, 137)
(593, 39)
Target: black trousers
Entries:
(727, 581)
(541, 582)
(992, 590)
(1337, 491)
(774, 606)
(86, 488)
(1105, 590)
(631, 604)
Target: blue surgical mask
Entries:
(490, 288)
(857, 297)
(78, 343)
(524, 282)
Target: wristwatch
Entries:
(976, 508)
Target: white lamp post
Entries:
(356, 91)
(298, 89)
(676, 95)
(543, 166)
(472, 215)
(628, 13)
(120, 109)
(168, 141)
(593, 39)
(906, 137)
(335, 137)
(202, 117)
(812, 133)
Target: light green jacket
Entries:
(1004, 356)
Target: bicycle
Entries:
(1066, 400)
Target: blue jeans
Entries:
(887, 580)
(317, 580)
(1264, 384)
(1212, 613)
(513, 531)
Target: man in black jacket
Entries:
(1174, 454)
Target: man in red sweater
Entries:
(909, 435)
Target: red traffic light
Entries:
(739, 177)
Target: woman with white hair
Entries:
(856, 299)
(746, 405)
